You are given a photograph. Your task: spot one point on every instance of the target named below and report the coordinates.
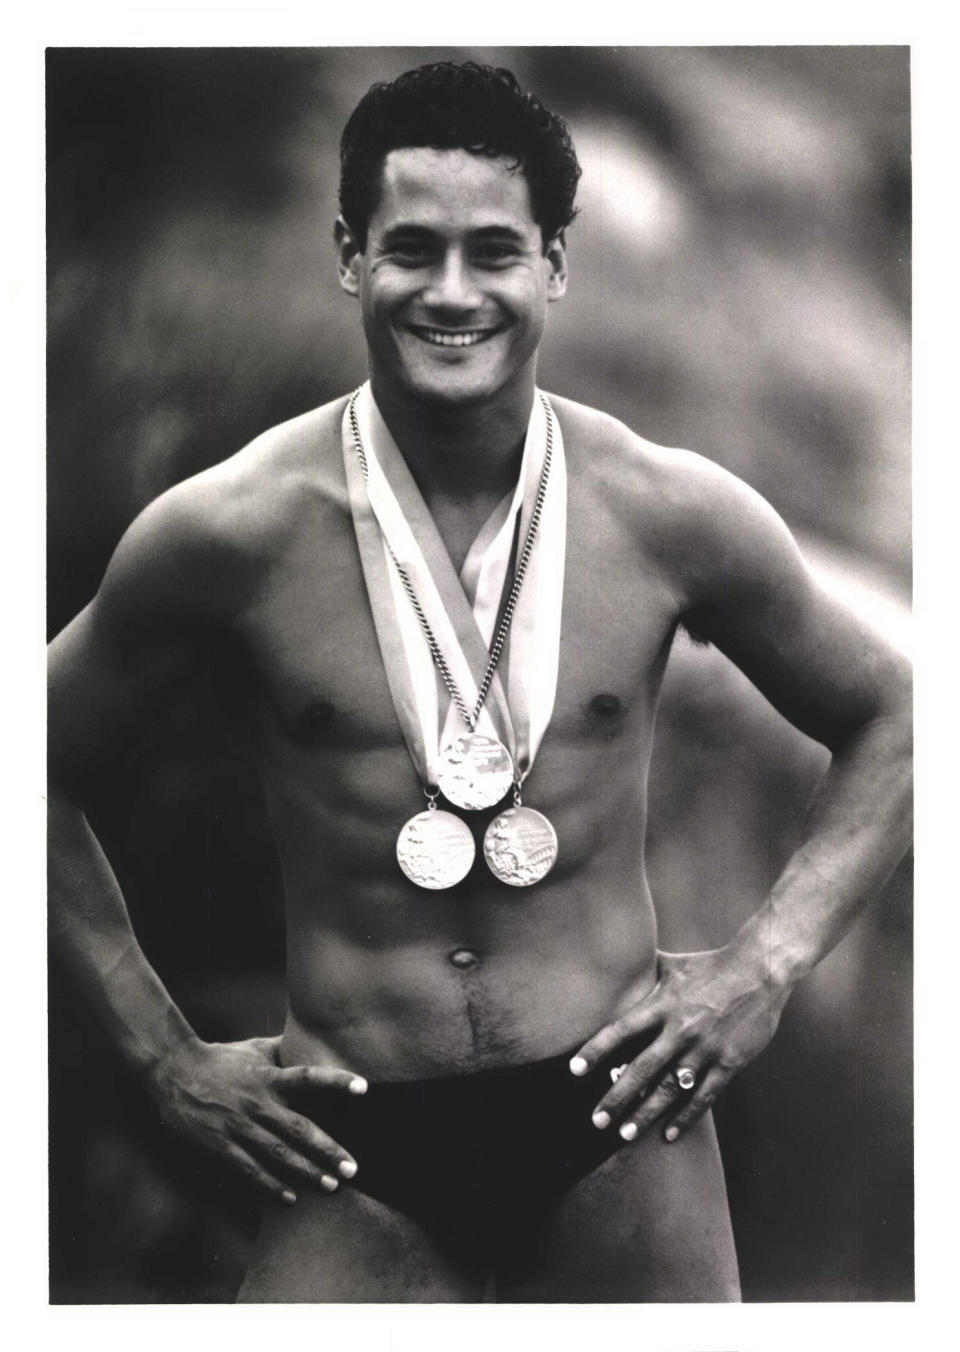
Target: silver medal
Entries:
(520, 846)
(475, 771)
(435, 849)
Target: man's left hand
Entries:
(711, 1013)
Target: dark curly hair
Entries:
(449, 105)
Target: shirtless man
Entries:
(440, 1106)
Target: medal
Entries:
(520, 846)
(435, 849)
(475, 771)
(433, 621)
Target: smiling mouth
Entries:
(454, 337)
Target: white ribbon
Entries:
(390, 515)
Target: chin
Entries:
(452, 387)
(460, 385)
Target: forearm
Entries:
(91, 935)
(714, 1011)
(858, 828)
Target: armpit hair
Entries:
(688, 623)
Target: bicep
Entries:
(104, 692)
(817, 662)
(113, 668)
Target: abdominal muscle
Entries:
(400, 983)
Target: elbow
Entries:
(883, 715)
(67, 789)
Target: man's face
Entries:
(454, 281)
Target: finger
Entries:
(307, 1139)
(640, 1019)
(268, 1047)
(697, 1104)
(661, 1097)
(278, 1156)
(255, 1172)
(636, 1080)
(320, 1077)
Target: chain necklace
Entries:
(503, 628)
(435, 848)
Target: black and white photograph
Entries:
(479, 567)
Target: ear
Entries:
(556, 256)
(349, 254)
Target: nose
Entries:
(452, 285)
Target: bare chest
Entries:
(318, 674)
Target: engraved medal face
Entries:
(475, 771)
(435, 849)
(520, 846)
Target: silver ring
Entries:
(617, 1072)
(686, 1078)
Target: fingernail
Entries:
(347, 1168)
(329, 1183)
(629, 1130)
(288, 1197)
(578, 1066)
(358, 1085)
(601, 1119)
(672, 1133)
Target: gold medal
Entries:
(520, 846)
(475, 771)
(435, 849)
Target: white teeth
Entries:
(453, 339)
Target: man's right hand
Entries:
(231, 1098)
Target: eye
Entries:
(495, 254)
(410, 253)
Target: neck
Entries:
(459, 450)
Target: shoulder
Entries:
(207, 539)
(689, 512)
(246, 502)
(667, 478)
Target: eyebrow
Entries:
(498, 232)
(404, 229)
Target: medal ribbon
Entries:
(389, 514)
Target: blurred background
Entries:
(740, 286)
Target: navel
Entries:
(463, 958)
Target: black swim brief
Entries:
(480, 1159)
